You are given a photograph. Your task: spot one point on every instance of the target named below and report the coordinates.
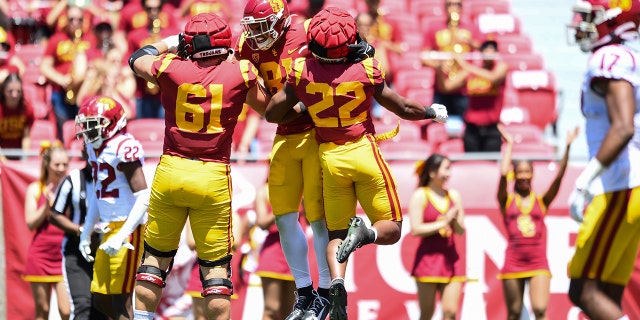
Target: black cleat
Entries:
(301, 306)
(318, 310)
(338, 295)
(356, 236)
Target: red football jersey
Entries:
(202, 105)
(337, 96)
(63, 49)
(275, 64)
(12, 125)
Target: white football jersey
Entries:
(612, 62)
(115, 198)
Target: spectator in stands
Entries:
(135, 15)
(111, 77)
(456, 35)
(64, 65)
(436, 213)
(147, 94)
(365, 22)
(189, 8)
(43, 268)
(16, 117)
(68, 212)
(485, 87)
(9, 62)
(382, 31)
(523, 212)
(277, 280)
(57, 17)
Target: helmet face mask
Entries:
(99, 119)
(264, 22)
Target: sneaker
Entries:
(338, 296)
(355, 237)
(301, 306)
(318, 310)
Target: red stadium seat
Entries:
(533, 150)
(410, 79)
(30, 54)
(525, 133)
(451, 147)
(425, 8)
(422, 95)
(436, 134)
(404, 21)
(42, 130)
(38, 97)
(477, 7)
(537, 94)
(409, 60)
(405, 150)
(412, 40)
(514, 43)
(150, 133)
(530, 61)
(501, 23)
(69, 133)
(393, 6)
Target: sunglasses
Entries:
(71, 19)
(449, 4)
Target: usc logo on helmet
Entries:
(624, 5)
(105, 104)
(276, 5)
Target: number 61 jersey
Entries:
(114, 195)
(614, 62)
(202, 105)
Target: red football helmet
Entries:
(264, 22)
(205, 35)
(330, 32)
(600, 22)
(99, 119)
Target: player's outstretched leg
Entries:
(357, 236)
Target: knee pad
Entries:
(216, 285)
(154, 274)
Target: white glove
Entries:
(85, 249)
(172, 42)
(578, 201)
(441, 112)
(115, 243)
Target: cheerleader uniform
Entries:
(437, 259)
(526, 254)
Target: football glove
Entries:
(578, 201)
(361, 50)
(115, 243)
(440, 111)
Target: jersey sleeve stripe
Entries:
(245, 67)
(368, 67)
(298, 66)
(165, 64)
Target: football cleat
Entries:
(356, 237)
(338, 295)
(300, 307)
(318, 310)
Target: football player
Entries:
(202, 91)
(336, 85)
(272, 43)
(606, 196)
(119, 205)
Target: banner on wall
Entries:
(378, 278)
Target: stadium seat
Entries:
(404, 21)
(532, 151)
(514, 43)
(409, 60)
(42, 130)
(68, 133)
(501, 23)
(405, 150)
(150, 133)
(393, 6)
(409, 79)
(477, 7)
(525, 133)
(422, 95)
(30, 54)
(451, 147)
(408, 130)
(412, 40)
(38, 97)
(426, 8)
(436, 133)
(537, 94)
(524, 61)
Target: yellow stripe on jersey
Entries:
(306, 25)
(165, 63)
(298, 66)
(241, 41)
(245, 68)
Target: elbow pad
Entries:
(146, 50)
